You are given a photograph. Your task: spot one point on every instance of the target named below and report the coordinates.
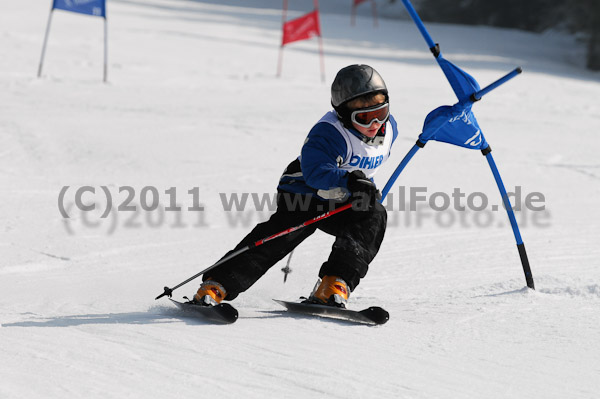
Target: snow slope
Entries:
(193, 102)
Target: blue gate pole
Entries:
(400, 168)
(478, 95)
(417, 20)
(511, 216)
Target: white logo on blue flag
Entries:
(454, 125)
(472, 141)
(465, 117)
(89, 7)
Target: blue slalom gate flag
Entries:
(89, 7)
(454, 125)
(463, 84)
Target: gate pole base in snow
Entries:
(487, 152)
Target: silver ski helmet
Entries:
(350, 83)
(354, 81)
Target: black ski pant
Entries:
(358, 233)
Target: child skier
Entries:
(340, 156)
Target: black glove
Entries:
(364, 192)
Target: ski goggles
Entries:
(367, 116)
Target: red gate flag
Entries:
(301, 28)
(357, 2)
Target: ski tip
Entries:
(376, 314)
(230, 314)
(285, 304)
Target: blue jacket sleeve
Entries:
(323, 149)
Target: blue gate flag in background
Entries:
(89, 7)
(95, 8)
(454, 125)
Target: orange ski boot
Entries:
(210, 293)
(331, 291)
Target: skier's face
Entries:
(372, 130)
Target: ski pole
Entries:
(169, 291)
(287, 269)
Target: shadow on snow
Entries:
(159, 315)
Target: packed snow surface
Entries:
(194, 116)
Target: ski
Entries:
(373, 315)
(222, 313)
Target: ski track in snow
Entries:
(192, 101)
